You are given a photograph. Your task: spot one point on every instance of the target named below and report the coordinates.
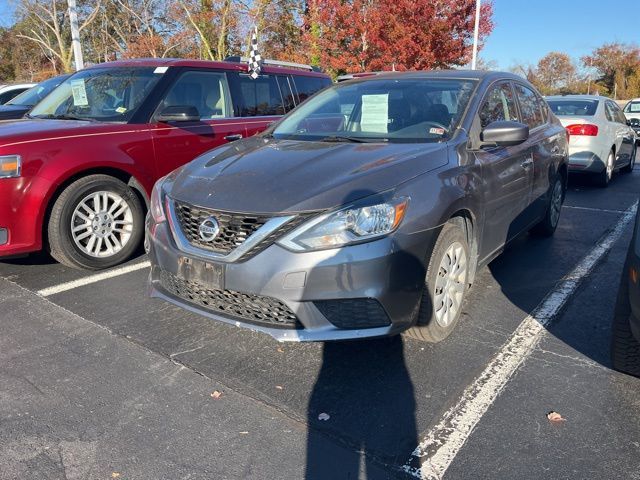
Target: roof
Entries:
(452, 74)
(577, 97)
(182, 62)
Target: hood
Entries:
(25, 129)
(261, 175)
(13, 111)
(631, 115)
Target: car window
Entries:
(530, 106)
(257, 97)
(632, 107)
(34, 95)
(402, 111)
(206, 91)
(571, 107)
(498, 105)
(6, 96)
(105, 94)
(617, 114)
(609, 112)
(286, 92)
(307, 86)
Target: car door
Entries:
(260, 102)
(625, 138)
(507, 173)
(177, 143)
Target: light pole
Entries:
(75, 35)
(474, 57)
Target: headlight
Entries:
(156, 209)
(10, 166)
(347, 226)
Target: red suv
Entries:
(76, 175)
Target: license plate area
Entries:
(209, 275)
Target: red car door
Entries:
(177, 143)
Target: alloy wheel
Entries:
(450, 284)
(556, 203)
(102, 224)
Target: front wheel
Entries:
(547, 226)
(445, 287)
(96, 222)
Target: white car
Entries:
(632, 112)
(601, 142)
(7, 92)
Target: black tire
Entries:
(625, 349)
(547, 226)
(61, 242)
(603, 178)
(632, 162)
(427, 327)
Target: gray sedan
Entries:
(364, 212)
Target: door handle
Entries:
(527, 163)
(233, 137)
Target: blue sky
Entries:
(525, 31)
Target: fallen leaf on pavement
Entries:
(324, 416)
(278, 387)
(244, 433)
(115, 475)
(281, 349)
(216, 394)
(555, 417)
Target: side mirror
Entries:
(504, 134)
(179, 113)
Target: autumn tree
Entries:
(46, 23)
(355, 35)
(618, 65)
(555, 74)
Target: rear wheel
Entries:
(625, 349)
(548, 224)
(605, 176)
(96, 223)
(446, 285)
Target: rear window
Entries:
(259, 97)
(577, 108)
(632, 107)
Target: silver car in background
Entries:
(632, 112)
(601, 142)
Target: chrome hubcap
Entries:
(450, 284)
(101, 224)
(556, 203)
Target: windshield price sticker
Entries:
(79, 93)
(375, 113)
(437, 131)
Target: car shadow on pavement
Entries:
(363, 396)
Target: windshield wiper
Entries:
(64, 116)
(345, 138)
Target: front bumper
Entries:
(386, 274)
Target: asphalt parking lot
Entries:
(99, 381)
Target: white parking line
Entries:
(591, 209)
(434, 455)
(63, 287)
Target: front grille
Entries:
(234, 228)
(354, 313)
(254, 309)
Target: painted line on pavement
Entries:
(433, 456)
(63, 287)
(592, 209)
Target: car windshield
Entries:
(34, 95)
(388, 110)
(105, 94)
(632, 107)
(574, 108)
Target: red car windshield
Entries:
(104, 94)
